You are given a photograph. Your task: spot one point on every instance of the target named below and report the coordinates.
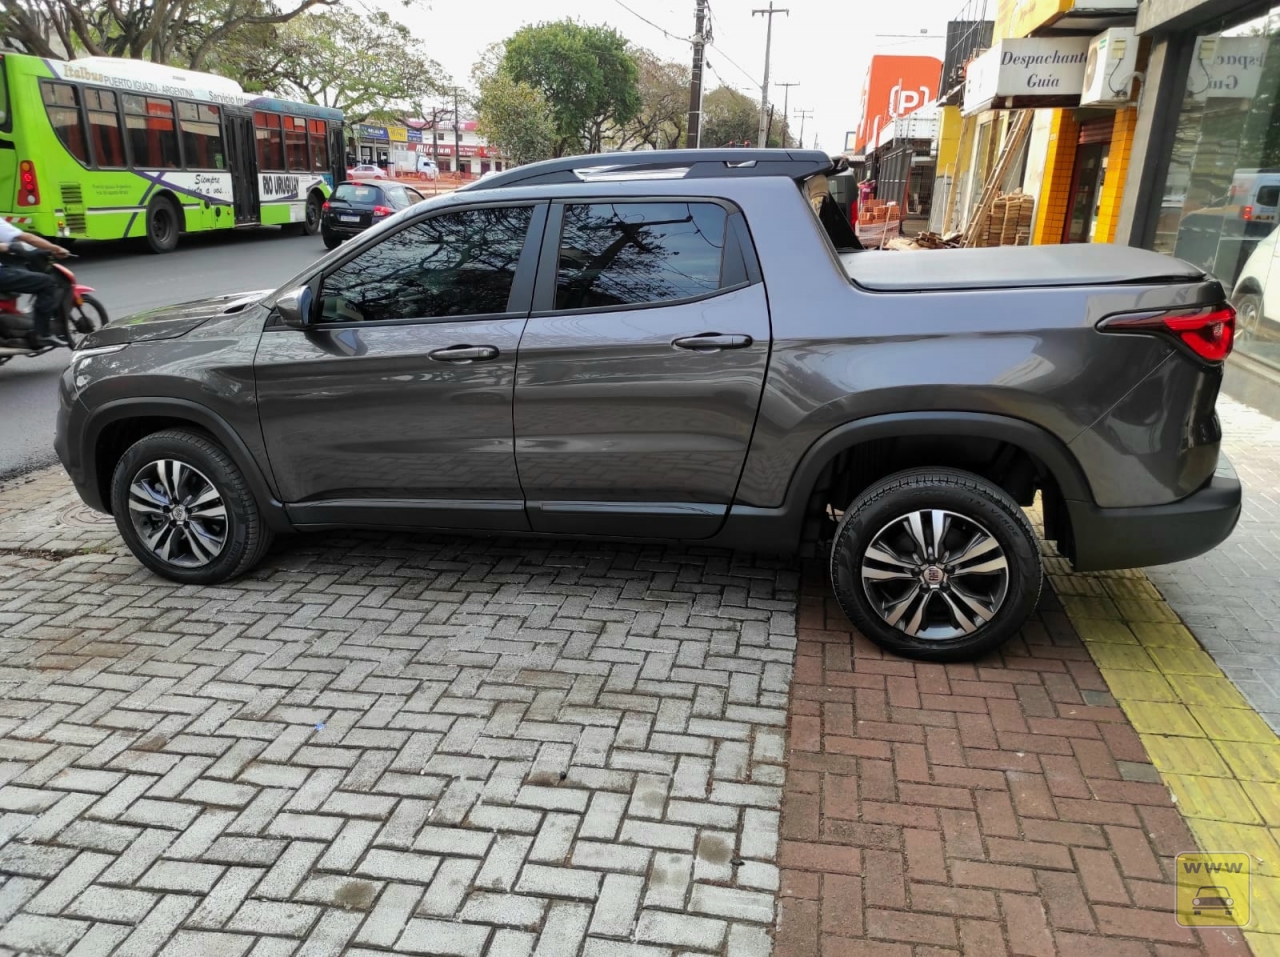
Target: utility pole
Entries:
(457, 134)
(764, 86)
(786, 98)
(804, 115)
(693, 138)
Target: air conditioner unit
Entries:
(1110, 67)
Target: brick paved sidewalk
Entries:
(1000, 807)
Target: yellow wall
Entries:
(1117, 170)
(949, 122)
(1055, 190)
(1017, 18)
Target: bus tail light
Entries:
(28, 185)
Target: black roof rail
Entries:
(663, 164)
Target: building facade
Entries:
(395, 147)
(1203, 183)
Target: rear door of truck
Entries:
(641, 368)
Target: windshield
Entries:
(365, 195)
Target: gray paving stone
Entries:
(1220, 594)
(379, 743)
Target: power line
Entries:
(667, 33)
(730, 61)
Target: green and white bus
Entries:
(104, 148)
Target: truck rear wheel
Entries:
(936, 564)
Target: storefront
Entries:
(1208, 189)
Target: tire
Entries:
(164, 225)
(331, 241)
(310, 224)
(89, 316)
(1248, 316)
(202, 548)
(962, 607)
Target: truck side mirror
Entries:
(295, 307)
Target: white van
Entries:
(1256, 193)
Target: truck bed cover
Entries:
(1084, 264)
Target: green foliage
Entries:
(367, 66)
(187, 33)
(515, 118)
(732, 117)
(664, 106)
(587, 76)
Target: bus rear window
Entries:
(153, 137)
(62, 103)
(104, 128)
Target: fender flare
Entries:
(1036, 441)
(198, 415)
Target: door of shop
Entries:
(1086, 180)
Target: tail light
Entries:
(1246, 213)
(1209, 332)
(325, 206)
(28, 185)
(382, 210)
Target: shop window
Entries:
(270, 142)
(62, 103)
(319, 145)
(295, 143)
(104, 129)
(1218, 203)
(201, 135)
(153, 137)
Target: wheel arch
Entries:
(116, 425)
(1024, 446)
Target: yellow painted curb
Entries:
(1218, 757)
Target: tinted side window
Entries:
(1269, 196)
(319, 154)
(617, 254)
(457, 264)
(104, 128)
(62, 103)
(153, 138)
(201, 135)
(270, 143)
(295, 142)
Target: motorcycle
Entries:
(79, 312)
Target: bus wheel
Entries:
(162, 226)
(311, 225)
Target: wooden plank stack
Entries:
(1007, 221)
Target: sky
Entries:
(824, 45)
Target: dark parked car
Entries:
(354, 207)
(680, 345)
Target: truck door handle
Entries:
(712, 342)
(464, 354)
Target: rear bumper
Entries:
(1105, 538)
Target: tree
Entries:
(664, 106)
(367, 66)
(182, 32)
(515, 119)
(585, 74)
(729, 117)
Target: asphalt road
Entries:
(128, 279)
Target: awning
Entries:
(1027, 73)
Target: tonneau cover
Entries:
(1002, 267)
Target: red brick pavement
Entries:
(1000, 807)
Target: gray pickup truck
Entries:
(680, 346)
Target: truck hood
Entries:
(169, 322)
(1009, 267)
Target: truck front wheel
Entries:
(936, 564)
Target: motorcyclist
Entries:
(16, 279)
